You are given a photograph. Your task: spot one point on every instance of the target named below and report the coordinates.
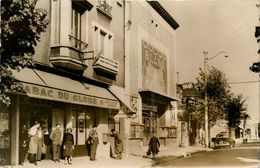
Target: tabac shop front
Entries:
(51, 98)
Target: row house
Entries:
(109, 64)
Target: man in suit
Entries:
(56, 142)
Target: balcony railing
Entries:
(69, 57)
(66, 57)
(76, 43)
(104, 8)
(106, 65)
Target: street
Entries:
(245, 155)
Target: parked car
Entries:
(222, 140)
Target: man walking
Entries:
(154, 145)
(56, 142)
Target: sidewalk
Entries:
(175, 153)
(130, 162)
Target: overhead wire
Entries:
(242, 82)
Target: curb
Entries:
(173, 157)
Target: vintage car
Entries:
(222, 140)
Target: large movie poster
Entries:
(154, 68)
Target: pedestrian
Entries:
(154, 145)
(68, 146)
(33, 144)
(40, 137)
(56, 142)
(23, 144)
(112, 144)
(93, 143)
(118, 145)
(47, 145)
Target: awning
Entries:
(119, 93)
(154, 97)
(44, 85)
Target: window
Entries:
(168, 132)
(103, 42)
(76, 28)
(76, 23)
(75, 35)
(136, 131)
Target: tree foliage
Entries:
(21, 26)
(218, 92)
(255, 67)
(236, 111)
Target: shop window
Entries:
(81, 128)
(136, 131)
(168, 132)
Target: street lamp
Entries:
(206, 59)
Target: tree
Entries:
(236, 111)
(21, 26)
(218, 92)
(256, 65)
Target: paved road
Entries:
(246, 155)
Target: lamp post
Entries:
(206, 59)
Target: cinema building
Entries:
(109, 64)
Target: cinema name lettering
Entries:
(65, 96)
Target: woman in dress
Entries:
(68, 146)
(33, 144)
(93, 142)
(40, 143)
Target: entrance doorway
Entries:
(150, 125)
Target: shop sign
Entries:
(66, 96)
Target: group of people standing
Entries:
(33, 146)
(32, 143)
(116, 145)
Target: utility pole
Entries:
(206, 113)
(206, 100)
(258, 40)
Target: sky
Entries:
(216, 26)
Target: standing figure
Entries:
(111, 137)
(56, 142)
(33, 144)
(68, 146)
(118, 145)
(40, 143)
(23, 144)
(47, 144)
(93, 142)
(154, 145)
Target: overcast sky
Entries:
(215, 26)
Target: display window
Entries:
(136, 131)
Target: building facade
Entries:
(150, 81)
(109, 64)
